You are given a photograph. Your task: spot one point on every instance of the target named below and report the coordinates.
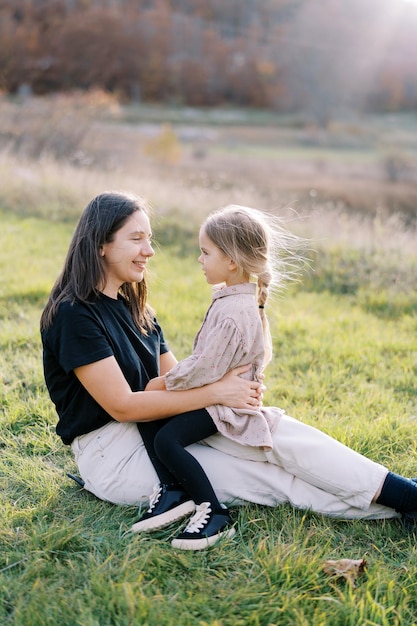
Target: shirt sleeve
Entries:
(224, 349)
(77, 338)
(163, 345)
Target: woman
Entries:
(102, 345)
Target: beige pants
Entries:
(307, 468)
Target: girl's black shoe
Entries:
(204, 528)
(166, 505)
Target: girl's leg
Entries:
(149, 430)
(182, 477)
(169, 502)
(210, 521)
(170, 443)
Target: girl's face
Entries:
(125, 257)
(216, 265)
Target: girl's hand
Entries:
(237, 392)
(156, 384)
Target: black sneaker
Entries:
(204, 528)
(166, 505)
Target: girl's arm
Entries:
(105, 382)
(156, 384)
(166, 362)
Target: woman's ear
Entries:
(101, 251)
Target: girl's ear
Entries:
(101, 251)
(232, 265)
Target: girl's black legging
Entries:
(165, 442)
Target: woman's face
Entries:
(125, 257)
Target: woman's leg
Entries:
(331, 466)
(320, 473)
(324, 462)
(401, 494)
(114, 464)
(116, 467)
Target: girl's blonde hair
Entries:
(261, 248)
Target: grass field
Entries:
(346, 361)
(345, 346)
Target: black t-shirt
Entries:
(85, 333)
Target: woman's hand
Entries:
(237, 392)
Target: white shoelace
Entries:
(200, 518)
(153, 499)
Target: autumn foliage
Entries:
(287, 55)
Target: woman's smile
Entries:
(126, 256)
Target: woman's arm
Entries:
(105, 382)
(166, 362)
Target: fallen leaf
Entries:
(349, 569)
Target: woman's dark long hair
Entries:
(83, 273)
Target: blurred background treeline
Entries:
(318, 57)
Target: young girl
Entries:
(237, 245)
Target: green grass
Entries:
(298, 154)
(345, 360)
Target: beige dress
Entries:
(230, 336)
